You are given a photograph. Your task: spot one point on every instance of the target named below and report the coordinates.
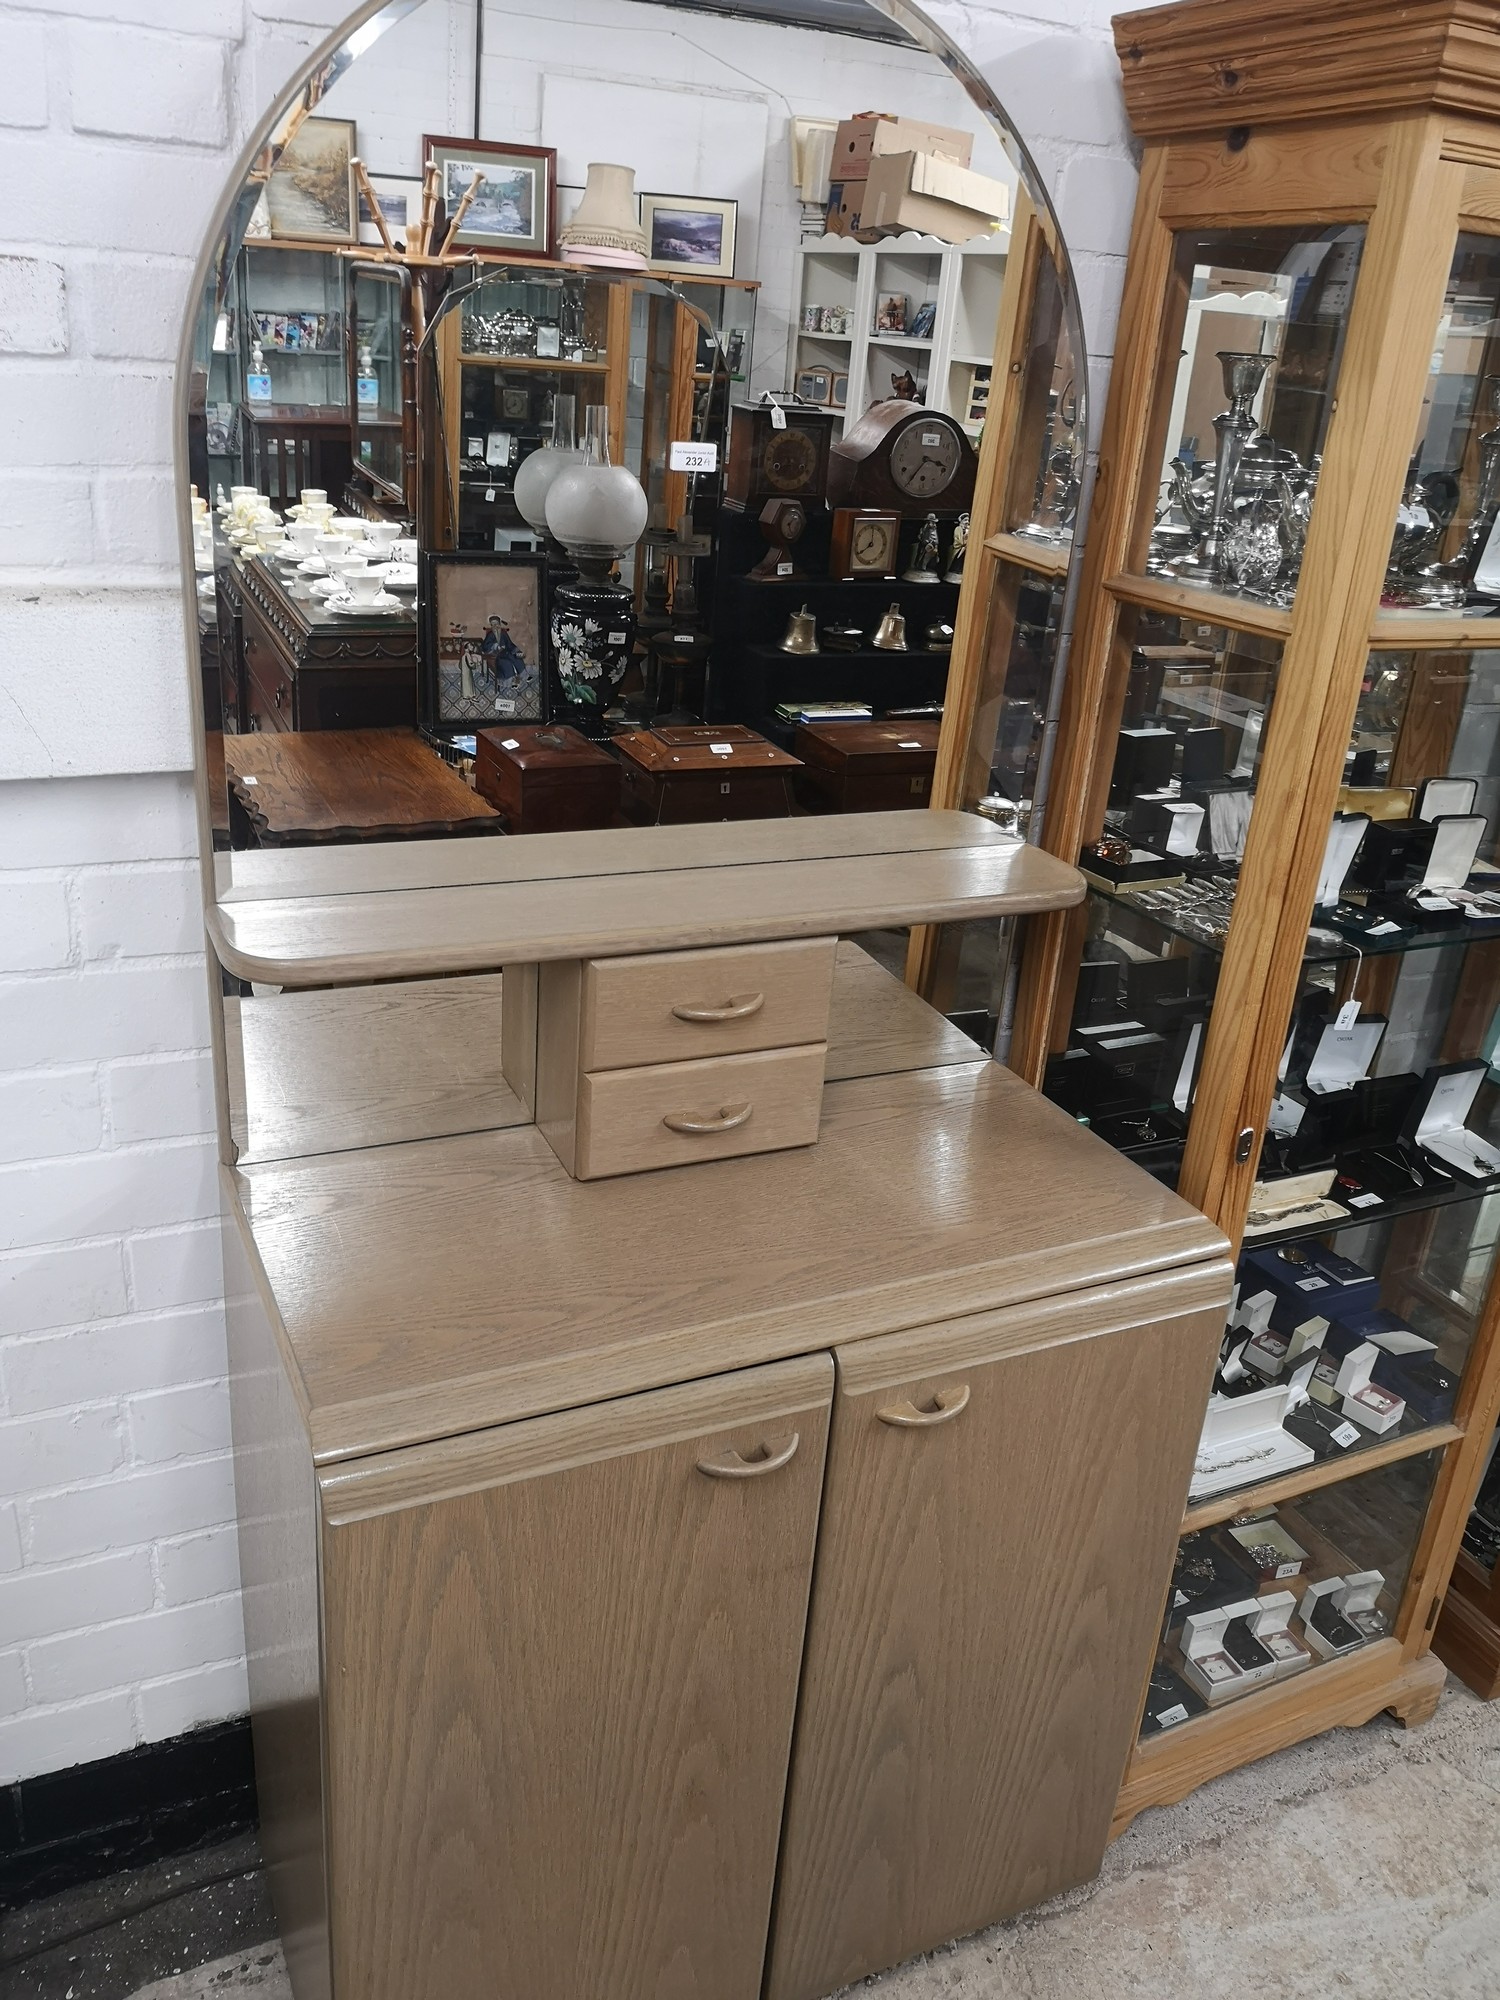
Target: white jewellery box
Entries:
(1343, 1055)
(1243, 1442)
(1273, 1629)
(1364, 1402)
(1441, 1130)
(1209, 1665)
(1344, 836)
(1359, 1602)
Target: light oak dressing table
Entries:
(533, 1473)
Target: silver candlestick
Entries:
(1233, 428)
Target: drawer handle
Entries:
(739, 1008)
(723, 1120)
(946, 1405)
(771, 1458)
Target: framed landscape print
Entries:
(400, 201)
(310, 194)
(514, 209)
(688, 235)
(483, 634)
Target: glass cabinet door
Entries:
(381, 378)
(292, 345)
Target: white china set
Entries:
(353, 565)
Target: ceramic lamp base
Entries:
(593, 638)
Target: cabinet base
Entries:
(1468, 1641)
(1343, 1694)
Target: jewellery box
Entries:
(1327, 1631)
(1436, 1120)
(1221, 1655)
(1243, 1442)
(1273, 1629)
(1408, 1365)
(1363, 1400)
(1272, 1550)
(1344, 837)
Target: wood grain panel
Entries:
(324, 1071)
(276, 1502)
(909, 1208)
(1321, 173)
(628, 1003)
(987, 1604)
(518, 1033)
(877, 1025)
(343, 940)
(561, 1707)
(557, 857)
(623, 1113)
(337, 784)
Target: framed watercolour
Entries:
(400, 198)
(514, 210)
(482, 634)
(310, 194)
(688, 235)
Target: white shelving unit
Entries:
(963, 281)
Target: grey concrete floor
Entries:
(1364, 1864)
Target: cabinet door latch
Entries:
(1243, 1144)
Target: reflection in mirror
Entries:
(536, 491)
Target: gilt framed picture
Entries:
(688, 235)
(514, 209)
(482, 628)
(310, 193)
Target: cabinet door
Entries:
(998, 1528)
(561, 1665)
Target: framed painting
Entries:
(310, 194)
(482, 624)
(514, 208)
(689, 235)
(400, 199)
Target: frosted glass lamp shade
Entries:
(596, 510)
(538, 474)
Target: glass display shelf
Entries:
(1260, 319)
(1278, 1591)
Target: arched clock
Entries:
(901, 455)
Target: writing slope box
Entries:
(925, 192)
(681, 776)
(546, 779)
(865, 766)
(1143, 763)
(1436, 1121)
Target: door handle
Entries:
(723, 1120)
(739, 1007)
(945, 1406)
(730, 1465)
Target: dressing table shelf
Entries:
(577, 895)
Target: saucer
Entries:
(347, 608)
(312, 566)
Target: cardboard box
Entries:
(846, 199)
(872, 134)
(922, 192)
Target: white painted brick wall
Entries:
(119, 1617)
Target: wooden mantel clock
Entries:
(777, 461)
(901, 455)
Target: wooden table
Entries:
(348, 784)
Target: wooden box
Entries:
(671, 776)
(546, 778)
(865, 766)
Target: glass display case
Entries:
(293, 370)
(1279, 770)
(381, 380)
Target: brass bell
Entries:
(890, 633)
(801, 633)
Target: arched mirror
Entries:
(593, 426)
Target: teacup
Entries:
(405, 550)
(347, 564)
(363, 585)
(303, 535)
(314, 496)
(383, 533)
(330, 545)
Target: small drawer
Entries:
(674, 1006)
(670, 1114)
